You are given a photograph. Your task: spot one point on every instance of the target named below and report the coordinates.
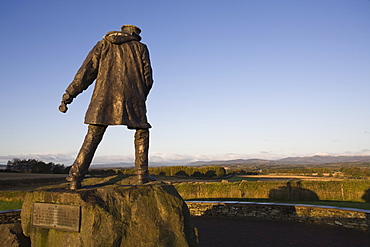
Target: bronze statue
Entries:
(120, 65)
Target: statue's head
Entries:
(130, 29)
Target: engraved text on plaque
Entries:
(56, 216)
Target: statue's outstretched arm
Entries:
(84, 78)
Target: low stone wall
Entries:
(345, 217)
(10, 216)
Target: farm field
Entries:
(28, 181)
(16, 176)
(261, 188)
(278, 177)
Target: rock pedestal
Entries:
(11, 236)
(113, 215)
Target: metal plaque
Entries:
(56, 216)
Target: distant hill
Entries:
(128, 165)
(308, 160)
(231, 162)
(315, 159)
(323, 159)
(112, 165)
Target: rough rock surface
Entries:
(113, 215)
(11, 236)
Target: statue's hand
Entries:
(66, 99)
(63, 107)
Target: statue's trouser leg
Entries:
(81, 165)
(141, 154)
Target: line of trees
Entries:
(34, 166)
(355, 172)
(346, 171)
(207, 171)
(184, 171)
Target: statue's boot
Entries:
(141, 156)
(81, 165)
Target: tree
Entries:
(33, 166)
(220, 172)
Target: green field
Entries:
(343, 193)
(4, 205)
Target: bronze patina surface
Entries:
(120, 66)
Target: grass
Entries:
(346, 190)
(345, 193)
(11, 196)
(240, 179)
(5, 205)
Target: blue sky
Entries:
(233, 79)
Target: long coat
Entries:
(121, 66)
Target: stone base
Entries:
(113, 215)
(12, 236)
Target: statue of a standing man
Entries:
(120, 65)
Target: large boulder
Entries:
(114, 215)
(11, 235)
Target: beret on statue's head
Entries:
(131, 29)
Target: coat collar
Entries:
(117, 37)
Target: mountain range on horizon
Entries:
(314, 159)
(306, 160)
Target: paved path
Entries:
(235, 232)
